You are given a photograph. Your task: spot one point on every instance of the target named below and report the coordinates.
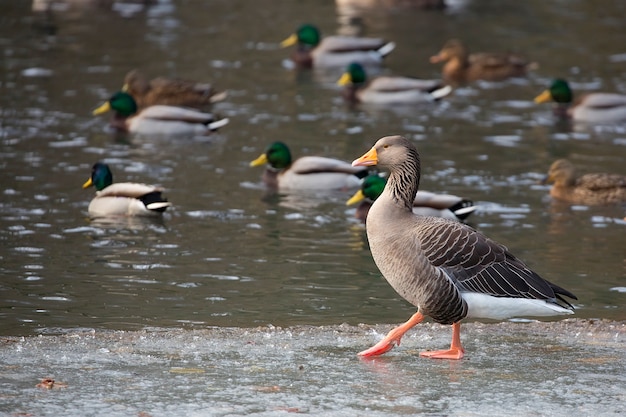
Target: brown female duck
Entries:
(448, 270)
(169, 91)
(462, 67)
(589, 189)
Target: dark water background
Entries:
(227, 255)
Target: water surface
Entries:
(228, 254)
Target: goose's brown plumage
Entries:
(592, 189)
(445, 268)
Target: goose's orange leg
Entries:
(456, 351)
(393, 337)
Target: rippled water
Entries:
(227, 254)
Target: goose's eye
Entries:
(385, 146)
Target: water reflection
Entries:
(133, 223)
(230, 255)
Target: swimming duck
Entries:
(334, 51)
(448, 270)
(169, 91)
(158, 119)
(307, 172)
(461, 67)
(425, 203)
(123, 198)
(589, 189)
(588, 108)
(388, 89)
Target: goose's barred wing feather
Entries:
(479, 264)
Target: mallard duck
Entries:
(425, 203)
(169, 91)
(591, 189)
(122, 198)
(388, 89)
(307, 172)
(448, 270)
(334, 51)
(158, 119)
(461, 67)
(588, 108)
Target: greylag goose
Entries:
(122, 198)
(425, 203)
(307, 172)
(448, 270)
(592, 189)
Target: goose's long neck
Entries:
(404, 180)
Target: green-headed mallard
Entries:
(307, 172)
(123, 198)
(334, 51)
(169, 91)
(588, 108)
(388, 89)
(425, 203)
(589, 189)
(446, 269)
(158, 119)
(461, 67)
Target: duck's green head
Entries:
(355, 74)
(277, 155)
(123, 103)
(306, 35)
(559, 91)
(101, 177)
(371, 187)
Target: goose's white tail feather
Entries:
(500, 308)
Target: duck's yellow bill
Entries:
(88, 183)
(543, 97)
(125, 87)
(291, 40)
(369, 159)
(102, 109)
(345, 79)
(358, 196)
(261, 160)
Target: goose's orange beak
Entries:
(369, 159)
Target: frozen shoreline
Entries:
(531, 368)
